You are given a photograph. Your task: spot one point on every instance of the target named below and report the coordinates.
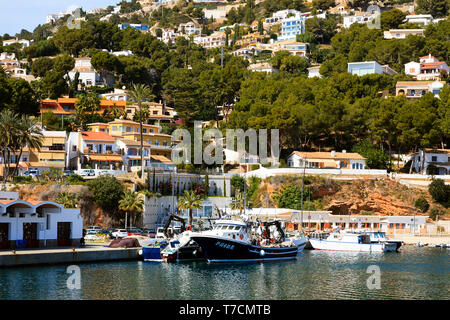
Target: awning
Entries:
(105, 157)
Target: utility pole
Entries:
(221, 57)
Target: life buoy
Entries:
(188, 228)
(241, 236)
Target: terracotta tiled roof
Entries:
(443, 151)
(431, 64)
(161, 159)
(100, 136)
(129, 142)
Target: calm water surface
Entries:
(414, 273)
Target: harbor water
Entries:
(413, 273)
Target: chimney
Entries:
(344, 151)
(333, 153)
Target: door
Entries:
(30, 234)
(4, 234)
(64, 234)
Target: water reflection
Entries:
(415, 273)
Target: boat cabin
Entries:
(235, 230)
(348, 237)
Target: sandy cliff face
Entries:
(383, 197)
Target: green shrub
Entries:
(290, 197)
(439, 191)
(106, 191)
(435, 213)
(75, 179)
(422, 204)
(23, 179)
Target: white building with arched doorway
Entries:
(37, 224)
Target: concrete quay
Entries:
(90, 253)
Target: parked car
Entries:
(68, 172)
(120, 233)
(103, 172)
(108, 233)
(87, 172)
(95, 227)
(134, 232)
(149, 233)
(160, 233)
(31, 173)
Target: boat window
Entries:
(230, 227)
(237, 228)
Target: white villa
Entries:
(424, 158)
(334, 160)
(402, 33)
(428, 68)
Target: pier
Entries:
(94, 253)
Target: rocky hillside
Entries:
(383, 197)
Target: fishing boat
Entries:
(233, 241)
(346, 241)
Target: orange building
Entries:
(66, 106)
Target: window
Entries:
(434, 158)
(144, 130)
(155, 112)
(108, 148)
(114, 128)
(129, 129)
(74, 148)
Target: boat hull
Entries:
(320, 244)
(184, 254)
(153, 253)
(220, 249)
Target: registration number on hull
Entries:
(224, 245)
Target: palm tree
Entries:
(15, 134)
(190, 200)
(131, 202)
(139, 93)
(238, 202)
(29, 135)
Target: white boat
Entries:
(343, 241)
